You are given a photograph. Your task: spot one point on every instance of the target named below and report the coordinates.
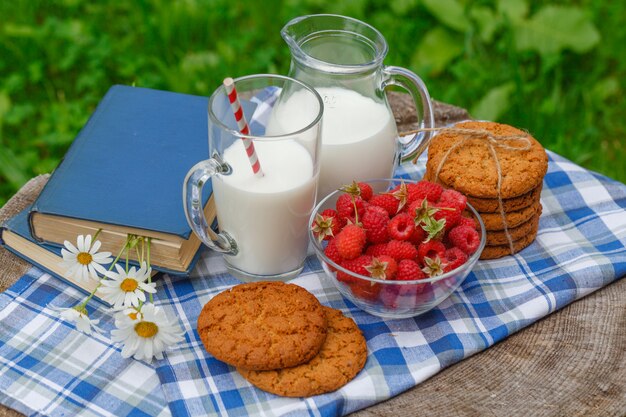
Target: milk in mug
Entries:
(359, 136)
(267, 216)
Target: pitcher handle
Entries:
(402, 77)
(193, 185)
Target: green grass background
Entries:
(556, 69)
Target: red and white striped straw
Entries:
(242, 125)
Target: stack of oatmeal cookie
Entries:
(500, 169)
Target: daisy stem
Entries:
(127, 254)
(139, 256)
(143, 249)
(149, 275)
(95, 237)
(117, 258)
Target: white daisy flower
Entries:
(148, 336)
(78, 315)
(83, 260)
(126, 289)
(133, 313)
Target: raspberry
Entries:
(453, 198)
(401, 227)
(360, 189)
(398, 297)
(377, 249)
(465, 238)
(408, 294)
(468, 221)
(333, 213)
(345, 206)
(357, 266)
(419, 235)
(409, 270)
(366, 191)
(434, 266)
(403, 296)
(332, 253)
(392, 265)
(455, 257)
(401, 193)
(326, 225)
(329, 213)
(452, 215)
(350, 241)
(424, 190)
(430, 249)
(375, 220)
(400, 250)
(435, 229)
(388, 296)
(413, 207)
(382, 267)
(386, 201)
(365, 290)
(421, 210)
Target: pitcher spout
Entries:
(333, 43)
(289, 32)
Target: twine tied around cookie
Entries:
(492, 141)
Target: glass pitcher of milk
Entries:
(342, 58)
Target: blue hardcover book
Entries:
(124, 173)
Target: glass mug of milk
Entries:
(263, 219)
(342, 58)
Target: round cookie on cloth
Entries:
(341, 358)
(470, 168)
(498, 251)
(498, 237)
(493, 221)
(263, 325)
(491, 205)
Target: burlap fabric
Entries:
(572, 363)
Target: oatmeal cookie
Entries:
(263, 325)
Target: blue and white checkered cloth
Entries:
(49, 368)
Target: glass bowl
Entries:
(389, 298)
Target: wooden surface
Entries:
(572, 363)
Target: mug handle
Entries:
(193, 185)
(402, 77)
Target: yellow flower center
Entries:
(129, 285)
(146, 329)
(84, 258)
(133, 316)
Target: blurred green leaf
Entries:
(54, 139)
(436, 50)
(11, 169)
(19, 31)
(449, 12)
(5, 105)
(353, 8)
(14, 82)
(605, 89)
(402, 7)
(494, 103)
(18, 113)
(199, 61)
(555, 28)
(44, 166)
(513, 10)
(486, 20)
